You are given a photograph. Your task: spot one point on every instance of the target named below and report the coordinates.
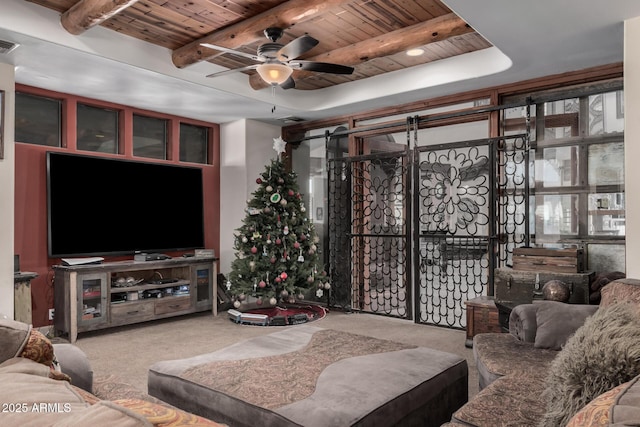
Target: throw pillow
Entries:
(602, 354)
(165, 416)
(597, 412)
(618, 291)
(14, 337)
(38, 349)
(626, 410)
(557, 321)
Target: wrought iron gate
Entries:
(369, 219)
(452, 228)
(470, 202)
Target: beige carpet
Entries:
(127, 352)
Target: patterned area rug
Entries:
(275, 381)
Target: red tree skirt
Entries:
(279, 315)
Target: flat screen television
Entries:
(105, 206)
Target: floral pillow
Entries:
(39, 349)
(165, 416)
(598, 412)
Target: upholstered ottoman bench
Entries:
(310, 376)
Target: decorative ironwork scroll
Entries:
(451, 228)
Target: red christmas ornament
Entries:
(254, 250)
(273, 260)
(262, 284)
(278, 280)
(303, 237)
(283, 275)
(278, 242)
(259, 181)
(296, 245)
(291, 193)
(299, 196)
(259, 301)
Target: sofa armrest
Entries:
(522, 322)
(548, 324)
(74, 363)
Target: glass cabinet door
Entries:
(92, 297)
(203, 279)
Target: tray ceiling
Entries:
(370, 35)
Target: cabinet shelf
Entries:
(85, 299)
(164, 298)
(149, 286)
(92, 296)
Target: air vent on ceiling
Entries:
(7, 46)
(291, 119)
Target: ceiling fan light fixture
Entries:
(274, 73)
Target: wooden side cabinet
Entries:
(482, 317)
(22, 296)
(91, 297)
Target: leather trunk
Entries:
(524, 286)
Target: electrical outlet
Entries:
(52, 312)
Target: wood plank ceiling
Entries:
(370, 35)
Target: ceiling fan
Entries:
(277, 61)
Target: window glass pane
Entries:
(38, 120)
(558, 167)
(149, 137)
(561, 118)
(557, 214)
(452, 133)
(606, 214)
(606, 114)
(514, 121)
(429, 111)
(309, 160)
(193, 143)
(97, 129)
(606, 257)
(606, 164)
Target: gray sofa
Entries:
(560, 361)
(74, 363)
(53, 385)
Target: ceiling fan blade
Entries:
(322, 67)
(296, 48)
(231, 51)
(288, 84)
(235, 70)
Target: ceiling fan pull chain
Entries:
(273, 94)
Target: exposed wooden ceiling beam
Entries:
(89, 13)
(248, 31)
(431, 31)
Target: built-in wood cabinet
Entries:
(99, 296)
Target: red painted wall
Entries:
(31, 193)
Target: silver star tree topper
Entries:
(279, 145)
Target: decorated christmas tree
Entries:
(276, 252)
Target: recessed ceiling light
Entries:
(415, 52)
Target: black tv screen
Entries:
(102, 206)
